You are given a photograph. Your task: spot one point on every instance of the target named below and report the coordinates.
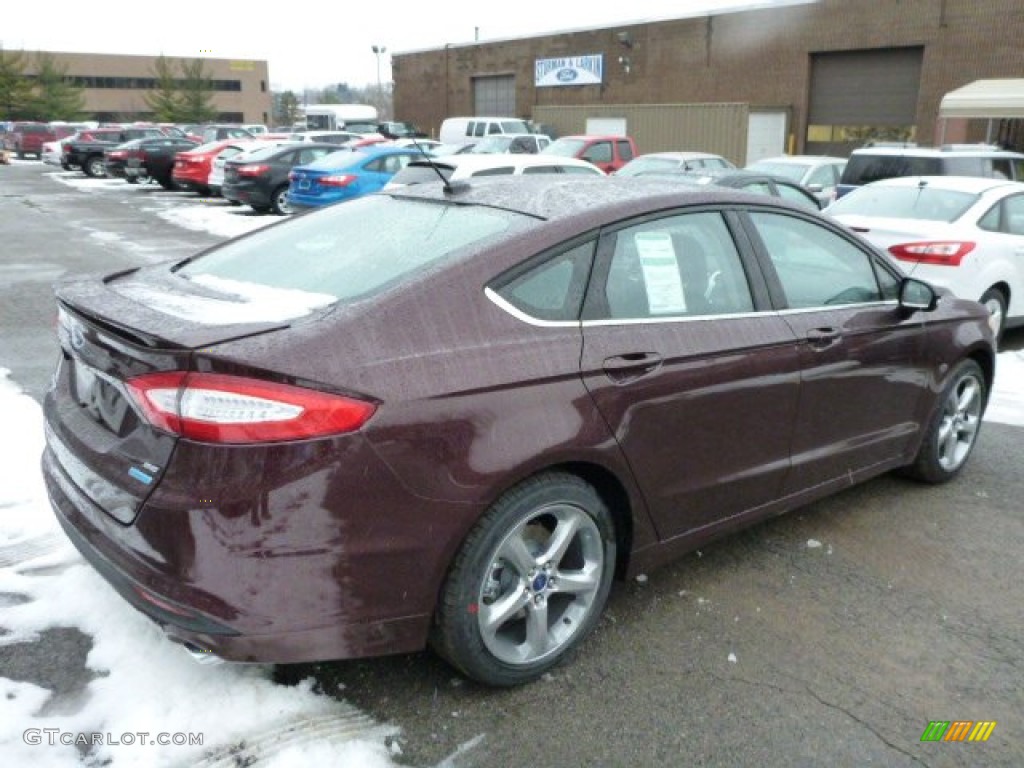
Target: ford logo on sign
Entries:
(566, 75)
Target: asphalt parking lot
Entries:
(834, 634)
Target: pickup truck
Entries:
(151, 158)
(28, 138)
(86, 150)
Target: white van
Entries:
(469, 130)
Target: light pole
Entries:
(377, 51)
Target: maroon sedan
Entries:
(453, 415)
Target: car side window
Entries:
(625, 150)
(824, 175)
(535, 169)
(507, 170)
(816, 266)
(601, 152)
(794, 195)
(554, 289)
(1005, 216)
(685, 265)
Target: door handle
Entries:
(823, 337)
(628, 367)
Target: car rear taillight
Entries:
(253, 170)
(946, 253)
(218, 408)
(336, 181)
(117, 154)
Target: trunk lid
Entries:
(112, 330)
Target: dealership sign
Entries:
(569, 70)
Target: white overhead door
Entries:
(766, 135)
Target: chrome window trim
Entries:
(518, 314)
(503, 304)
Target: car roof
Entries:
(555, 197)
(946, 151)
(971, 184)
(679, 155)
(482, 162)
(592, 136)
(801, 159)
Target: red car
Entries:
(192, 168)
(455, 413)
(609, 153)
(28, 138)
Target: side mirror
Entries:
(917, 295)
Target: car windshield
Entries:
(791, 171)
(641, 165)
(916, 202)
(564, 147)
(356, 249)
(491, 144)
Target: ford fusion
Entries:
(452, 415)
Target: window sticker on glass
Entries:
(661, 273)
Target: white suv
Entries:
(870, 164)
(458, 167)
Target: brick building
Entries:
(815, 77)
(115, 86)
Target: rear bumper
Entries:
(275, 569)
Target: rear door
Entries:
(697, 379)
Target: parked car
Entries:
(964, 234)
(750, 181)
(426, 145)
(53, 153)
(86, 149)
(454, 418)
(469, 130)
(511, 143)
(155, 158)
(819, 174)
(204, 134)
(28, 138)
(328, 137)
(260, 177)
(870, 164)
(609, 153)
(192, 167)
(255, 129)
(660, 162)
(395, 129)
(235, 148)
(466, 166)
(345, 175)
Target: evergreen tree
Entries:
(287, 108)
(165, 99)
(54, 97)
(196, 93)
(15, 88)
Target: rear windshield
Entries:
(905, 203)
(356, 249)
(864, 169)
(418, 173)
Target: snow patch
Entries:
(813, 544)
(217, 217)
(1006, 403)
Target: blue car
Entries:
(345, 175)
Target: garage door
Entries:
(495, 96)
(860, 96)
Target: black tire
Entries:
(21, 155)
(953, 430)
(132, 179)
(995, 302)
(167, 183)
(94, 168)
(279, 201)
(66, 166)
(505, 615)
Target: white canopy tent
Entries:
(991, 99)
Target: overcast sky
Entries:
(315, 42)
